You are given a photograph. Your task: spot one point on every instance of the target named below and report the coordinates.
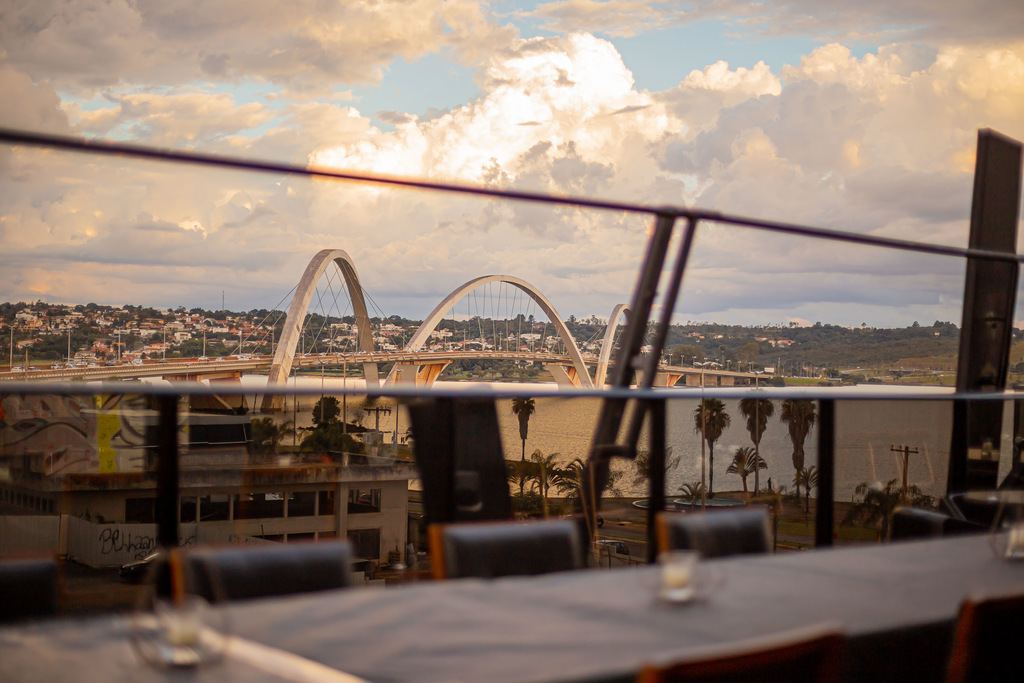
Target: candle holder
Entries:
(1007, 533)
(173, 627)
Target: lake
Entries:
(866, 433)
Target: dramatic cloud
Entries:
(879, 141)
(307, 46)
(611, 17)
(877, 21)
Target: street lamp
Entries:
(703, 428)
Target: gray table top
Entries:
(605, 624)
(896, 602)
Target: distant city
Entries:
(45, 335)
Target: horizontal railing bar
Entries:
(94, 146)
(513, 391)
(76, 144)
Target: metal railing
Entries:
(608, 440)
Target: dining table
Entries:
(897, 603)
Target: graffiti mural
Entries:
(62, 434)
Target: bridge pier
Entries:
(565, 375)
(420, 375)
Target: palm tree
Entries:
(521, 473)
(808, 478)
(523, 408)
(693, 493)
(800, 416)
(547, 468)
(642, 465)
(710, 420)
(267, 434)
(873, 505)
(745, 461)
(757, 411)
(571, 480)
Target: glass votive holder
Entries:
(172, 626)
(678, 574)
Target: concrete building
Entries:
(102, 488)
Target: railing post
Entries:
(656, 471)
(825, 512)
(167, 471)
(990, 298)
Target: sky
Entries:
(860, 117)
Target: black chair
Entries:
(28, 589)
(493, 549)
(457, 445)
(987, 640)
(910, 522)
(979, 512)
(811, 655)
(246, 572)
(716, 534)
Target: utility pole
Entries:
(905, 452)
(377, 410)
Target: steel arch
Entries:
(284, 356)
(437, 315)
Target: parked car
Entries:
(136, 570)
(612, 546)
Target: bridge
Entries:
(412, 365)
(226, 368)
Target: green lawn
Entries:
(845, 532)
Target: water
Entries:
(865, 433)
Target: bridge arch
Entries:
(620, 311)
(428, 325)
(281, 366)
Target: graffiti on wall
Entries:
(64, 434)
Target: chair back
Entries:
(809, 655)
(987, 640)
(245, 572)
(963, 507)
(29, 589)
(716, 534)
(910, 522)
(457, 444)
(493, 549)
